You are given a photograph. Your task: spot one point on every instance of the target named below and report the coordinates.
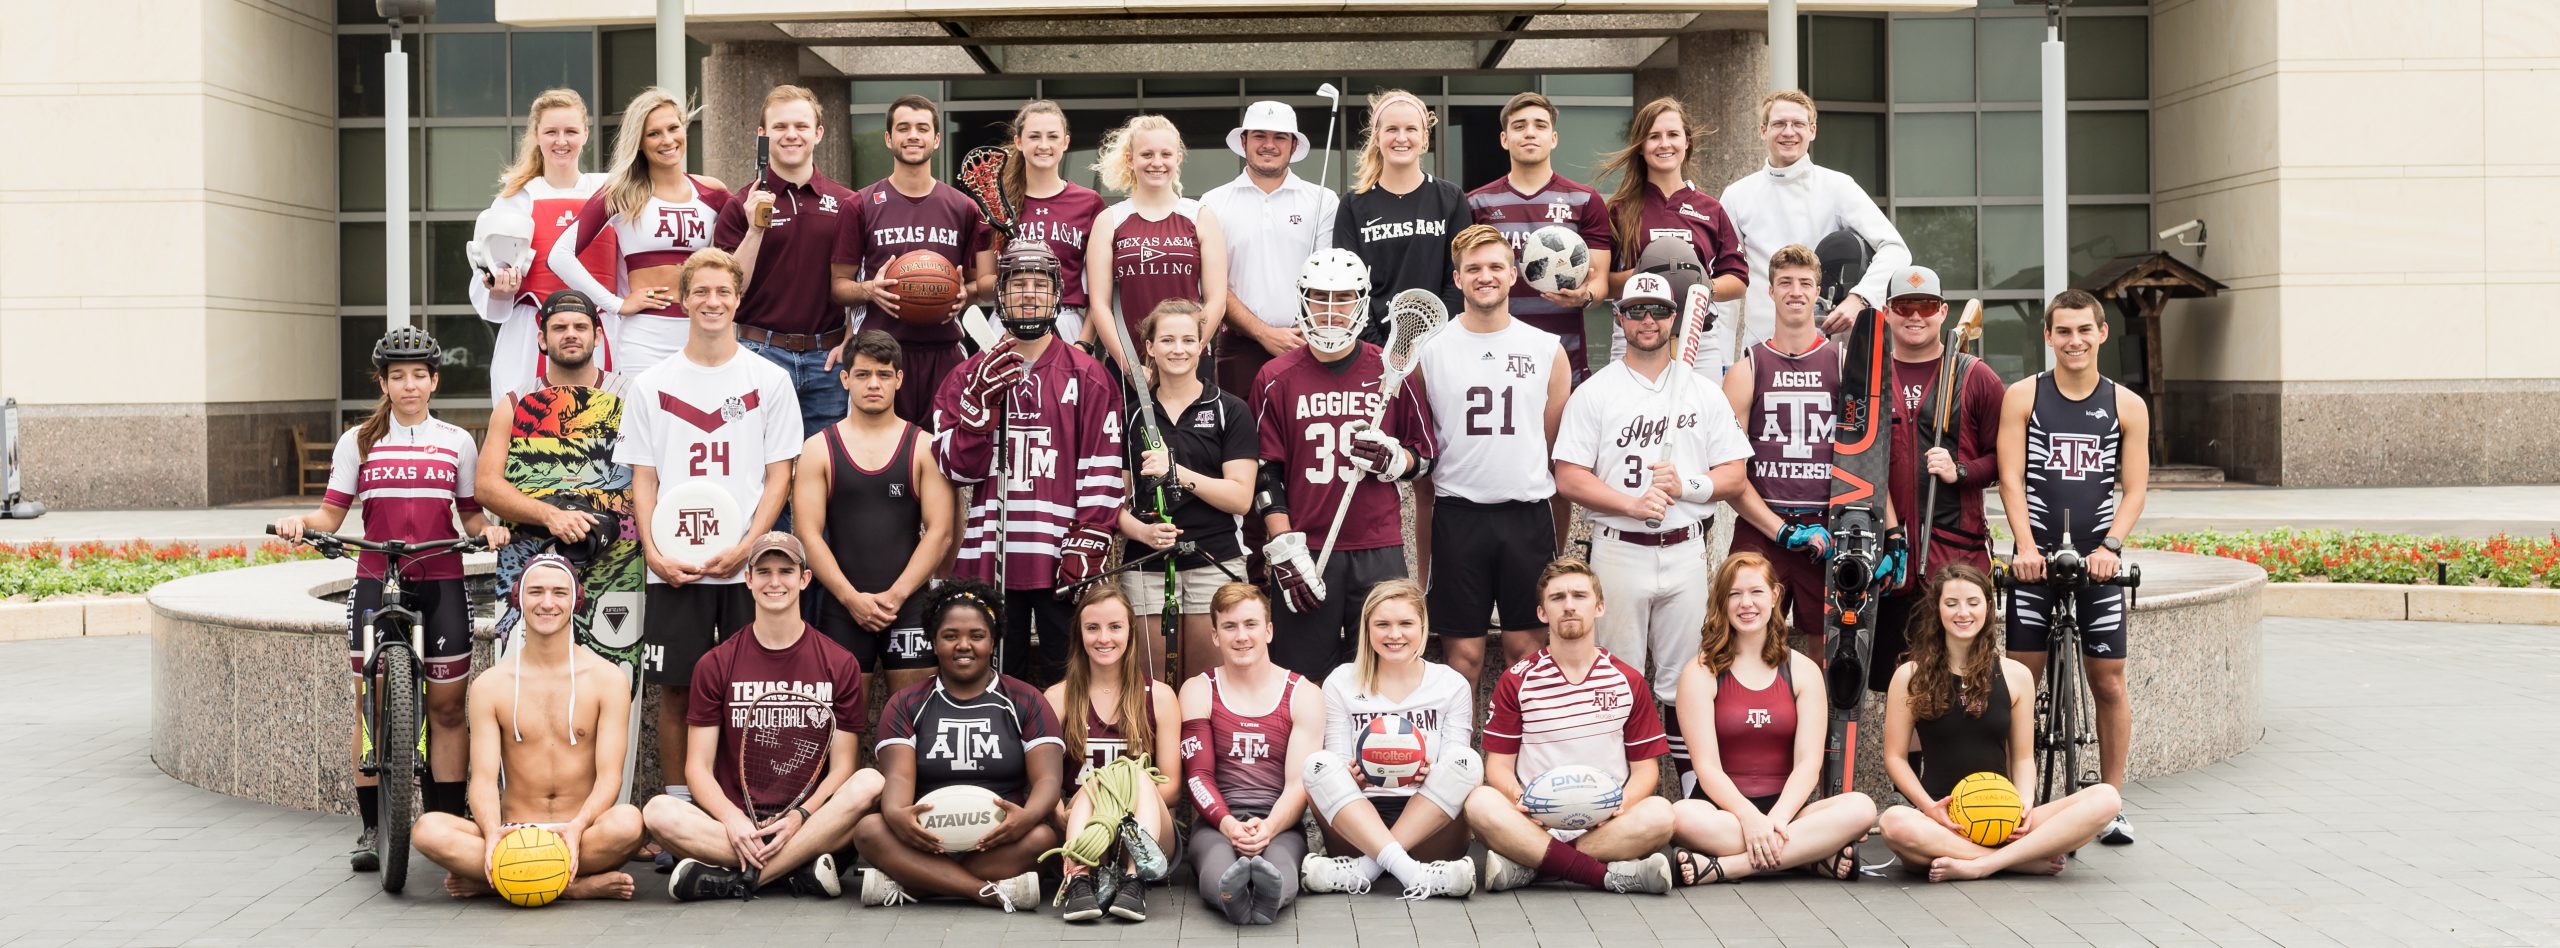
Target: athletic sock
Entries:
(1570, 864)
(1369, 867)
(369, 805)
(450, 796)
(1397, 861)
(680, 792)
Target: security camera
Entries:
(2180, 232)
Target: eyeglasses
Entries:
(1644, 312)
(1789, 125)
(1915, 308)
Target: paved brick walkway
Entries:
(2397, 799)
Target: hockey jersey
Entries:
(1062, 424)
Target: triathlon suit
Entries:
(1246, 767)
(1153, 260)
(2072, 461)
(414, 486)
(1104, 742)
(983, 741)
(663, 234)
(1956, 745)
(874, 521)
(1793, 409)
(1755, 735)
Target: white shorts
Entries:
(1145, 587)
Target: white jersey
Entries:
(1801, 204)
(1488, 394)
(516, 358)
(1442, 707)
(723, 422)
(1619, 423)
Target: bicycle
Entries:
(394, 731)
(2066, 714)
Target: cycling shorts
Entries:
(2100, 610)
(444, 607)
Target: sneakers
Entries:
(1650, 875)
(880, 891)
(1333, 874)
(1501, 873)
(1130, 902)
(694, 880)
(2119, 832)
(1452, 877)
(367, 856)
(1082, 904)
(1020, 890)
(817, 878)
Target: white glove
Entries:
(1376, 452)
(1293, 573)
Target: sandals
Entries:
(1685, 862)
(1841, 866)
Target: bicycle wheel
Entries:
(2070, 719)
(2053, 731)
(398, 746)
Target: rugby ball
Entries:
(1391, 750)
(1555, 259)
(1572, 797)
(961, 815)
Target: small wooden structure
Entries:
(2141, 285)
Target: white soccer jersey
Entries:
(1488, 394)
(1619, 423)
(1442, 707)
(723, 422)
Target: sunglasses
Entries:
(1915, 308)
(1645, 312)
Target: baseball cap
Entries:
(1646, 288)
(1268, 116)
(1913, 281)
(776, 541)
(566, 301)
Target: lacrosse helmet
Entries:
(1333, 270)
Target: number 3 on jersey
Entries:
(706, 455)
(1332, 442)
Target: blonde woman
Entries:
(1208, 467)
(1425, 846)
(1156, 245)
(1110, 707)
(659, 215)
(544, 184)
(1398, 218)
(1052, 209)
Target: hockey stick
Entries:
(1968, 328)
(1152, 439)
(1332, 118)
(1412, 319)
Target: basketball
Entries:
(928, 287)
(1987, 806)
(961, 815)
(531, 866)
(1390, 750)
(1554, 259)
(1572, 797)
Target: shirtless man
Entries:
(551, 719)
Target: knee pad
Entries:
(1457, 773)
(1329, 783)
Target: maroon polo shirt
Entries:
(789, 291)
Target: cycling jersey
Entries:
(414, 486)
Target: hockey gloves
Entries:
(982, 394)
(1293, 573)
(1082, 555)
(1893, 567)
(1376, 452)
(1810, 539)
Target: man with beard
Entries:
(1272, 220)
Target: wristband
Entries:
(802, 810)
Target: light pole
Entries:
(2057, 190)
(395, 160)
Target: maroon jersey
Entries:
(886, 225)
(662, 235)
(736, 672)
(1063, 220)
(1756, 731)
(1959, 535)
(1563, 201)
(1686, 214)
(1251, 751)
(789, 293)
(1153, 260)
(1104, 742)
(1794, 407)
(1304, 407)
(1063, 422)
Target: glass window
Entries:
(885, 92)
(360, 74)
(468, 342)
(1932, 154)
(1357, 88)
(1595, 84)
(1007, 90)
(631, 64)
(1206, 162)
(1586, 133)
(1933, 60)
(2013, 247)
(1090, 88)
(2110, 57)
(1942, 239)
(462, 167)
(358, 11)
(466, 74)
(2013, 154)
(360, 169)
(2010, 340)
(1852, 143)
(1847, 60)
(360, 264)
(465, 11)
(1491, 83)
(1085, 128)
(540, 61)
(2109, 152)
(871, 160)
(2105, 231)
(356, 336)
(448, 273)
(2007, 64)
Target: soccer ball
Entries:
(1555, 259)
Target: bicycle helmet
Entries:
(407, 344)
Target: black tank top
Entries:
(1956, 744)
(874, 518)
(2071, 465)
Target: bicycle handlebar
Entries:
(2067, 569)
(334, 545)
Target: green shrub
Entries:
(2359, 556)
(41, 570)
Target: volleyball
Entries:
(1987, 806)
(1390, 750)
(531, 866)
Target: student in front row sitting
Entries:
(1425, 846)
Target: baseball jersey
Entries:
(1687, 214)
(730, 677)
(789, 292)
(1304, 408)
(1062, 420)
(1269, 236)
(1153, 260)
(1793, 411)
(1562, 201)
(2073, 456)
(984, 740)
(1064, 221)
(887, 224)
(516, 356)
(1489, 403)
(1250, 751)
(414, 486)
(722, 423)
(1619, 423)
(1960, 533)
(1606, 721)
(663, 234)
(1442, 708)
(1404, 239)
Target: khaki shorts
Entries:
(1145, 588)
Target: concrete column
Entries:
(1719, 78)
(735, 78)
(835, 104)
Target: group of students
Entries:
(957, 515)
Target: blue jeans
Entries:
(822, 397)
